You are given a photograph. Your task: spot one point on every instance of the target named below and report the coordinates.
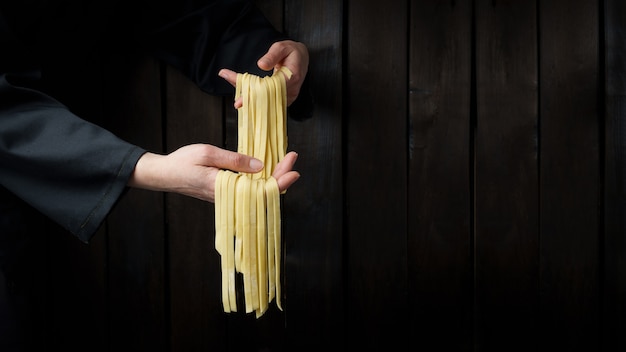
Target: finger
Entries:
(238, 103)
(275, 54)
(285, 181)
(229, 76)
(285, 165)
(226, 159)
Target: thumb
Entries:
(238, 162)
(274, 55)
(267, 62)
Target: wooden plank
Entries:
(569, 175)
(439, 196)
(313, 207)
(196, 315)
(506, 176)
(376, 173)
(136, 225)
(614, 285)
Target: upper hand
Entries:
(293, 55)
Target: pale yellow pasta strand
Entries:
(270, 200)
(220, 237)
(246, 265)
(239, 223)
(273, 200)
(259, 120)
(261, 246)
(230, 237)
(249, 224)
(281, 114)
(271, 155)
(218, 212)
(252, 247)
(242, 112)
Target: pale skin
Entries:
(191, 169)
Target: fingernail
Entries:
(222, 74)
(256, 164)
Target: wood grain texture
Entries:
(463, 171)
(376, 172)
(313, 208)
(506, 176)
(440, 265)
(614, 246)
(569, 175)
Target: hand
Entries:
(191, 170)
(293, 55)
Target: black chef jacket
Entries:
(69, 169)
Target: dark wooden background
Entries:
(463, 189)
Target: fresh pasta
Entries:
(247, 206)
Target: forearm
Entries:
(165, 173)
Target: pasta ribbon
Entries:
(247, 206)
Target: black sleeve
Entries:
(74, 171)
(200, 40)
(65, 167)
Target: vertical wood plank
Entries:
(376, 172)
(614, 285)
(506, 176)
(136, 225)
(569, 175)
(439, 196)
(313, 208)
(196, 314)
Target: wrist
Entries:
(146, 174)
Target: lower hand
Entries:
(191, 170)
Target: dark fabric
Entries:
(197, 37)
(70, 169)
(60, 172)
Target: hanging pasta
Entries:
(247, 206)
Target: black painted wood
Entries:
(462, 187)
(440, 189)
(569, 175)
(376, 173)
(506, 180)
(614, 212)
